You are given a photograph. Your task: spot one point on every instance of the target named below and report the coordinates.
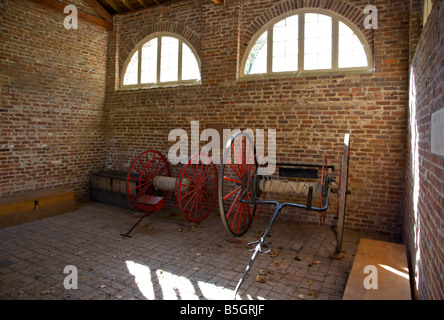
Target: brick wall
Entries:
(52, 100)
(60, 123)
(310, 114)
(424, 191)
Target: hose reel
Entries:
(242, 191)
(149, 182)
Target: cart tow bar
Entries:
(259, 243)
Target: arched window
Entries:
(306, 42)
(161, 59)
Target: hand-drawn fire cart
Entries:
(241, 191)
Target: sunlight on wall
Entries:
(415, 172)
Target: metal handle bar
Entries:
(261, 241)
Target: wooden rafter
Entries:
(114, 5)
(128, 4)
(97, 7)
(59, 7)
(142, 3)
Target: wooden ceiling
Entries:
(105, 9)
(122, 6)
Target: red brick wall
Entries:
(58, 125)
(52, 102)
(310, 114)
(424, 191)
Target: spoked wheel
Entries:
(238, 167)
(324, 190)
(139, 182)
(196, 189)
(342, 191)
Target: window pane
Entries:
(351, 52)
(149, 62)
(257, 59)
(131, 73)
(190, 67)
(285, 45)
(317, 41)
(169, 60)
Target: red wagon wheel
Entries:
(238, 166)
(145, 167)
(196, 188)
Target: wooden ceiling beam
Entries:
(114, 5)
(127, 4)
(142, 2)
(59, 7)
(97, 7)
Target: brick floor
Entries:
(167, 258)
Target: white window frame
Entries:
(138, 48)
(301, 29)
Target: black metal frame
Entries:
(259, 243)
